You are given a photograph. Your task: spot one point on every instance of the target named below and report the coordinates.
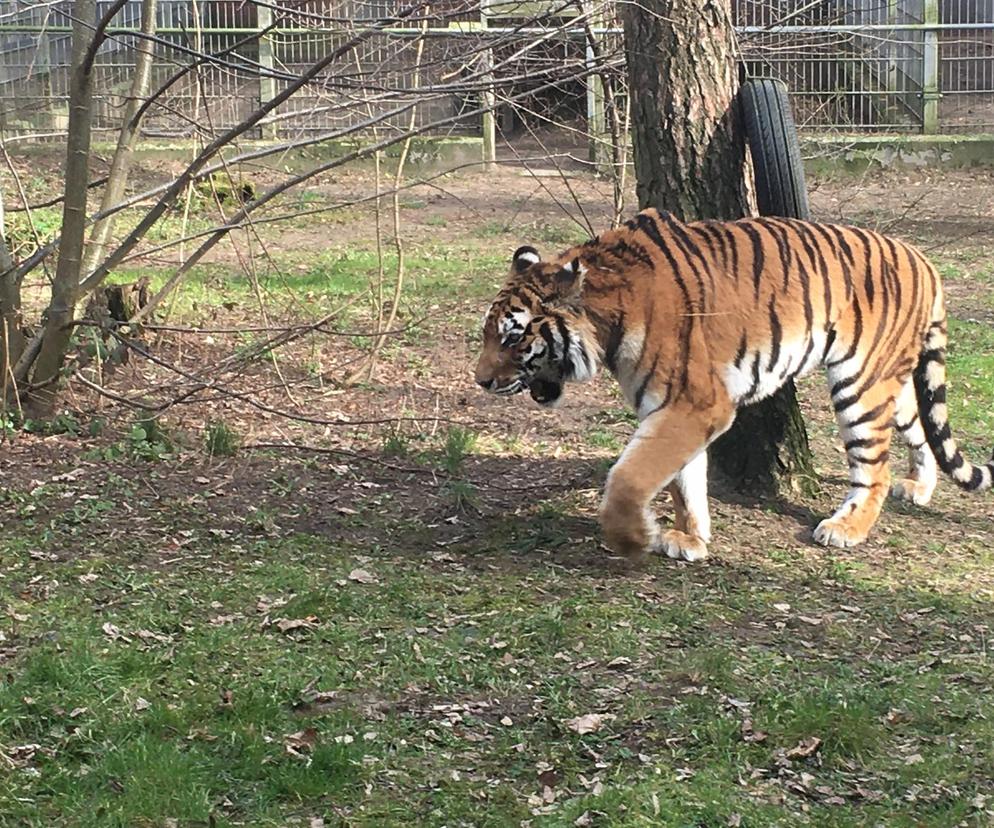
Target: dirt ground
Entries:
(424, 387)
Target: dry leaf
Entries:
(111, 631)
(583, 820)
(804, 748)
(895, 716)
(361, 576)
(142, 704)
(750, 735)
(914, 759)
(301, 742)
(285, 625)
(148, 635)
(588, 723)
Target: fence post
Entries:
(267, 83)
(930, 70)
(488, 98)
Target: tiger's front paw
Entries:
(683, 546)
(840, 532)
(630, 536)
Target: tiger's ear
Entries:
(569, 280)
(523, 258)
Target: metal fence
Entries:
(881, 65)
(907, 66)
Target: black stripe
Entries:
(783, 248)
(616, 333)
(691, 252)
(740, 354)
(640, 393)
(844, 403)
(868, 286)
(869, 416)
(755, 377)
(550, 340)
(569, 367)
(865, 442)
(856, 336)
(649, 227)
(829, 342)
(801, 271)
(758, 257)
(831, 241)
(843, 384)
(776, 333)
(818, 261)
(840, 235)
(860, 460)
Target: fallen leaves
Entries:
(749, 734)
(804, 749)
(301, 743)
(288, 625)
(362, 576)
(588, 723)
(112, 631)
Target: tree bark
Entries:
(59, 316)
(689, 153)
(11, 330)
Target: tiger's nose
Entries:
(485, 384)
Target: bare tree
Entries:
(689, 152)
(520, 65)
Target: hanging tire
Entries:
(776, 152)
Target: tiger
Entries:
(698, 319)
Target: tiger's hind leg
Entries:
(866, 424)
(922, 477)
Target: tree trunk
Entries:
(689, 152)
(11, 331)
(117, 179)
(59, 316)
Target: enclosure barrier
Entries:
(854, 66)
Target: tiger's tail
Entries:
(930, 388)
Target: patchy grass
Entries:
(261, 681)
(971, 346)
(199, 633)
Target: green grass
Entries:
(971, 393)
(314, 285)
(370, 652)
(152, 682)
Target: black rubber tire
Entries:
(776, 152)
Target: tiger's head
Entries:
(535, 334)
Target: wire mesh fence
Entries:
(906, 66)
